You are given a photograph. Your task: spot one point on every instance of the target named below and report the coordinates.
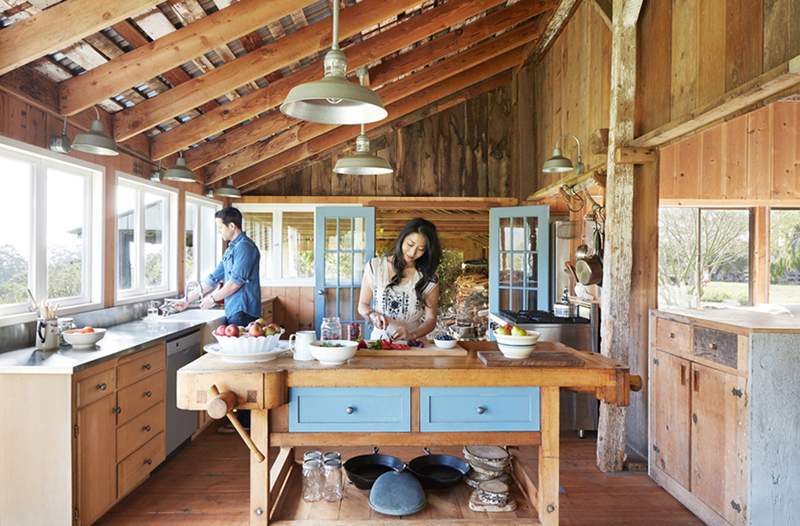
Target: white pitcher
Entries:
(299, 342)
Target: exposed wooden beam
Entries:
(633, 155)
(360, 54)
(60, 25)
(604, 9)
(558, 21)
(247, 68)
(761, 88)
(169, 52)
(393, 92)
(265, 169)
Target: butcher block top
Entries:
(739, 320)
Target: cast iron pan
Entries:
(438, 471)
(364, 470)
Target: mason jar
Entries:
(313, 480)
(331, 328)
(334, 484)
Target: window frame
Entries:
(92, 264)
(139, 291)
(200, 202)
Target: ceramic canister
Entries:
(299, 342)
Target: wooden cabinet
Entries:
(670, 377)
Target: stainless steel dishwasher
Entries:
(180, 424)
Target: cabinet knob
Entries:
(101, 387)
(672, 335)
(117, 410)
(694, 418)
(350, 410)
(146, 429)
(146, 366)
(480, 410)
(148, 461)
(712, 346)
(148, 394)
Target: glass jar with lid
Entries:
(331, 328)
(313, 480)
(333, 485)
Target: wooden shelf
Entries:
(578, 182)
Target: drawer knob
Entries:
(480, 410)
(147, 462)
(146, 367)
(117, 410)
(350, 410)
(148, 394)
(101, 387)
(146, 429)
(712, 346)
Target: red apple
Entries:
(220, 330)
(255, 330)
(232, 330)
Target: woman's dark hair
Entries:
(230, 214)
(426, 264)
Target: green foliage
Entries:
(64, 273)
(152, 270)
(449, 270)
(784, 245)
(13, 276)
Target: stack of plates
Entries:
(488, 474)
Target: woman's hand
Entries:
(401, 332)
(379, 321)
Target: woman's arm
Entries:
(365, 301)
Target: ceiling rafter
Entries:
(169, 51)
(245, 138)
(390, 93)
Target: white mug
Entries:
(300, 344)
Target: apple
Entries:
(255, 330)
(516, 330)
(505, 330)
(232, 330)
(274, 327)
(220, 331)
(261, 321)
(87, 330)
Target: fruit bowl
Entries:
(517, 346)
(445, 342)
(83, 340)
(333, 352)
(247, 343)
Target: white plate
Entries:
(247, 357)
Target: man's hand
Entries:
(208, 302)
(181, 306)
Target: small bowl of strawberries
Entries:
(258, 337)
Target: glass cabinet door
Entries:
(344, 242)
(519, 243)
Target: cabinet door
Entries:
(97, 458)
(718, 441)
(671, 397)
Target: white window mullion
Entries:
(39, 241)
(139, 241)
(88, 238)
(277, 226)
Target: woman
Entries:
(403, 285)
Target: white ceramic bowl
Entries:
(530, 339)
(445, 344)
(333, 355)
(83, 340)
(248, 344)
(517, 347)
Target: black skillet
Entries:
(364, 470)
(438, 471)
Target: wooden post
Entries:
(547, 495)
(616, 330)
(259, 471)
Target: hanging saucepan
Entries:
(589, 268)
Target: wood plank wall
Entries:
(572, 86)
(751, 158)
(465, 150)
(294, 308)
(24, 122)
(707, 48)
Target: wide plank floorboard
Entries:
(206, 484)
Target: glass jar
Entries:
(314, 454)
(331, 455)
(334, 485)
(331, 329)
(313, 481)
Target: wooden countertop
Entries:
(736, 320)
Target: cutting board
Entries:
(536, 359)
(429, 349)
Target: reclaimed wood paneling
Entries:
(743, 42)
(683, 97)
(294, 307)
(734, 162)
(781, 31)
(759, 165)
(653, 83)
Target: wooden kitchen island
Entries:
(413, 386)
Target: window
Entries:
(784, 265)
(703, 256)
(285, 237)
(51, 241)
(202, 243)
(146, 239)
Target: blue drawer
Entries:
(335, 409)
(479, 409)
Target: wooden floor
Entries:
(206, 483)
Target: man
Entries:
(237, 272)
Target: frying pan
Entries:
(438, 471)
(364, 470)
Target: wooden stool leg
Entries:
(548, 458)
(259, 471)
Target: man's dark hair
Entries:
(230, 214)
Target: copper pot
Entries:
(589, 270)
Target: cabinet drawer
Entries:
(479, 409)
(141, 364)
(313, 409)
(715, 345)
(672, 335)
(139, 430)
(96, 387)
(139, 464)
(135, 399)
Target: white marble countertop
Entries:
(119, 340)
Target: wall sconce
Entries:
(557, 163)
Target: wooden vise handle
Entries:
(222, 404)
(636, 382)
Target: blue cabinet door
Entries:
(519, 243)
(344, 241)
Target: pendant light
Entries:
(96, 140)
(228, 190)
(180, 172)
(362, 162)
(557, 163)
(334, 99)
(60, 143)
